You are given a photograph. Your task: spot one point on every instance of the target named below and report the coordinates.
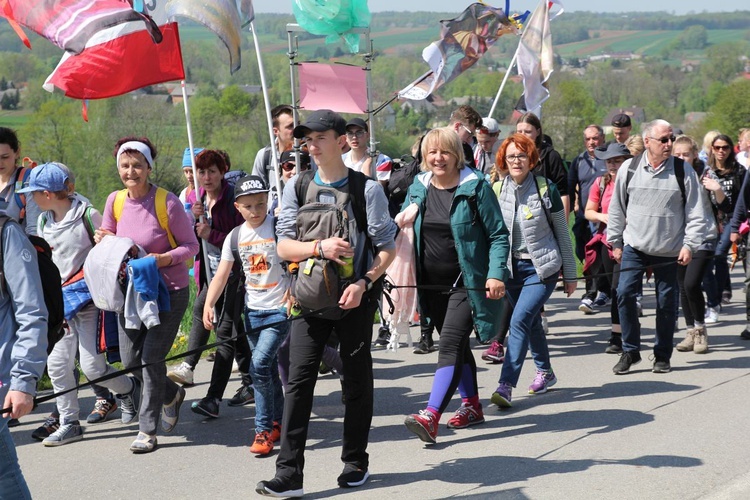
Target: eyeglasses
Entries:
(725, 147)
(664, 140)
(514, 158)
(357, 134)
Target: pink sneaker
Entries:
(544, 380)
(495, 353)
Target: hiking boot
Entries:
(263, 444)
(587, 306)
(424, 424)
(661, 365)
(615, 343)
(245, 395)
(627, 359)
(66, 433)
(182, 374)
(103, 408)
(689, 341)
(502, 395)
(280, 488)
(425, 346)
(602, 299)
(352, 476)
(543, 380)
(47, 428)
(466, 415)
(170, 413)
(712, 315)
(208, 407)
(276, 432)
(701, 341)
(130, 403)
(384, 336)
(495, 353)
(144, 443)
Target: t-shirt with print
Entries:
(265, 279)
(383, 165)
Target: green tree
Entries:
(566, 113)
(732, 109)
(693, 37)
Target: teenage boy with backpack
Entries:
(370, 250)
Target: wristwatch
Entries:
(368, 283)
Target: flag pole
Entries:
(274, 151)
(505, 79)
(204, 243)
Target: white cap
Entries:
(490, 125)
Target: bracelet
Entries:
(320, 249)
(316, 249)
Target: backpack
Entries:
(88, 223)
(160, 203)
(679, 173)
(51, 285)
(402, 176)
(233, 176)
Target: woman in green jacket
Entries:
(461, 247)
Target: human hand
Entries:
(99, 235)
(162, 259)
(617, 254)
(685, 256)
(495, 289)
(197, 210)
(203, 230)
(335, 248)
(569, 287)
(208, 317)
(352, 295)
(20, 403)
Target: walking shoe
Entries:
(323, 368)
(543, 380)
(615, 343)
(661, 365)
(701, 340)
(66, 433)
(495, 353)
(424, 424)
(627, 359)
(182, 374)
(502, 395)
(726, 298)
(263, 444)
(425, 346)
(353, 476)
(587, 306)
(276, 432)
(280, 488)
(712, 315)
(144, 443)
(602, 299)
(14, 422)
(465, 416)
(211, 357)
(745, 334)
(208, 407)
(103, 408)
(130, 403)
(384, 336)
(689, 341)
(47, 428)
(245, 395)
(170, 413)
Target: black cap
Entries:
(288, 157)
(320, 121)
(250, 184)
(357, 122)
(613, 150)
(621, 120)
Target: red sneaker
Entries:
(465, 416)
(424, 424)
(262, 444)
(276, 432)
(495, 353)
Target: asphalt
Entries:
(594, 435)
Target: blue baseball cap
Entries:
(47, 177)
(186, 162)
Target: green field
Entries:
(13, 119)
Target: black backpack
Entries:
(402, 176)
(51, 284)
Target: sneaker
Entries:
(587, 306)
(276, 432)
(712, 315)
(66, 433)
(495, 353)
(424, 424)
(353, 476)
(182, 374)
(245, 395)
(602, 299)
(687, 344)
(47, 428)
(615, 344)
(144, 443)
(208, 407)
(745, 334)
(384, 336)
(627, 359)
(425, 346)
(545, 325)
(701, 341)
(661, 365)
(103, 408)
(502, 395)
(263, 444)
(324, 369)
(130, 403)
(211, 357)
(280, 488)
(466, 415)
(13, 422)
(726, 298)
(170, 413)
(543, 380)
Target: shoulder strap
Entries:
(267, 163)
(631, 172)
(542, 189)
(679, 172)
(119, 203)
(22, 177)
(160, 203)
(3, 220)
(357, 182)
(234, 244)
(498, 187)
(301, 186)
(88, 223)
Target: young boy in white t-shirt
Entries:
(266, 286)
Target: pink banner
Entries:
(336, 87)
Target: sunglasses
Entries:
(288, 167)
(355, 134)
(664, 140)
(722, 148)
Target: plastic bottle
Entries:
(347, 270)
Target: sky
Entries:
(681, 7)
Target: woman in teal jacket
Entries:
(461, 248)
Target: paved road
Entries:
(595, 435)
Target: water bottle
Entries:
(189, 212)
(347, 269)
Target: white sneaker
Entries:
(66, 433)
(183, 374)
(712, 315)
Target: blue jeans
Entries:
(527, 293)
(12, 484)
(264, 364)
(632, 267)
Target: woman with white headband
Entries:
(134, 215)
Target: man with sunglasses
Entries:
(652, 223)
(465, 120)
(358, 157)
